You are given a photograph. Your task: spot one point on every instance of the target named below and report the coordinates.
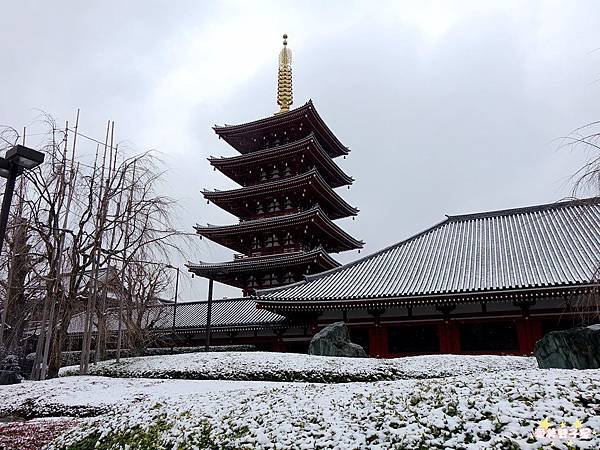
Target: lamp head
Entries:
(4, 167)
(24, 157)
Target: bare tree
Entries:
(89, 214)
(586, 183)
(586, 180)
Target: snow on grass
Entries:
(434, 402)
(92, 395)
(474, 411)
(296, 367)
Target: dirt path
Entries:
(33, 434)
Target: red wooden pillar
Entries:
(449, 337)
(523, 336)
(378, 341)
(529, 331)
(536, 331)
(279, 345)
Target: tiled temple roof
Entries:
(545, 246)
(226, 314)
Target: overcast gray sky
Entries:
(448, 107)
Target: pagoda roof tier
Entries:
(226, 272)
(237, 167)
(300, 122)
(236, 201)
(232, 236)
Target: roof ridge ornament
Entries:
(285, 96)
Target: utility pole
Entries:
(208, 314)
(174, 307)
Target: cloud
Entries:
(448, 107)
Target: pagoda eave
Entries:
(232, 236)
(307, 148)
(242, 136)
(233, 272)
(238, 201)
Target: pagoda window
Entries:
(270, 279)
(287, 171)
(275, 173)
(263, 175)
(288, 203)
(287, 240)
(289, 278)
(259, 208)
(274, 205)
(271, 240)
(255, 243)
(252, 282)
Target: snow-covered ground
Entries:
(296, 367)
(438, 402)
(93, 395)
(477, 411)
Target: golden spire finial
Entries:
(284, 78)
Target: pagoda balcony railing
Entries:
(269, 214)
(276, 249)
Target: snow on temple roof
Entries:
(535, 247)
(226, 314)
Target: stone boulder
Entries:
(9, 377)
(577, 348)
(334, 340)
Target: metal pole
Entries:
(208, 313)
(13, 172)
(174, 311)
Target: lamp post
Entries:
(208, 315)
(18, 159)
(174, 306)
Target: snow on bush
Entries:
(263, 366)
(86, 396)
(73, 357)
(498, 410)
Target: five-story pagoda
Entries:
(286, 204)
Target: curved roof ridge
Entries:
(306, 177)
(258, 153)
(307, 212)
(469, 254)
(264, 119)
(307, 111)
(272, 152)
(309, 278)
(524, 209)
(298, 253)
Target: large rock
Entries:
(577, 348)
(334, 340)
(9, 377)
